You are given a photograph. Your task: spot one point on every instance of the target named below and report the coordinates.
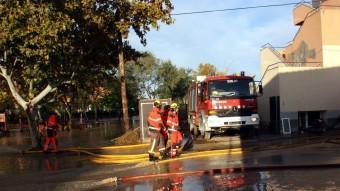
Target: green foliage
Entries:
(73, 45)
(158, 79)
(58, 43)
(118, 17)
(206, 69)
(140, 15)
(32, 29)
(173, 82)
(144, 72)
(112, 101)
(5, 101)
(30, 35)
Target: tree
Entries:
(221, 73)
(30, 40)
(97, 91)
(112, 101)
(144, 72)
(47, 46)
(119, 17)
(173, 82)
(206, 69)
(181, 88)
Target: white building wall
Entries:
(309, 89)
(270, 81)
(331, 55)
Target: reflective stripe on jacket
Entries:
(154, 128)
(172, 120)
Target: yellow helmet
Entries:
(174, 106)
(157, 102)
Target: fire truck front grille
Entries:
(235, 123)
(234, 112)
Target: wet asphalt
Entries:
(247, 170)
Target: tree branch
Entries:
(15, 62)
(14, 92)
(42, 94)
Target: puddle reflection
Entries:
(12, 161)
(250, 181)
(52, 164)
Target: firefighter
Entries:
(41, 133)
(156, 126)
(52, 125)
(164, 132)
(173, 125)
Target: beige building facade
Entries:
(301, 81)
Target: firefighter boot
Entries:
(178, 151)
(152, 157)
(164, 155)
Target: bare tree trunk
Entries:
(69, 115)
(126, 123)
(68, 111)
(32, 125)
(69, 123)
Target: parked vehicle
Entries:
(219, 103)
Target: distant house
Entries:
(302, 80)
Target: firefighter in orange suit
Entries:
(173, 127)
(156, 126)
(52, 126)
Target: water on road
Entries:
(283, 180)
(72, 171)
(12, 160)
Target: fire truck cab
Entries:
(219, 103)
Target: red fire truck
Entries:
(219, 103)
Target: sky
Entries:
(231, 41)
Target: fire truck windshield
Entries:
(231, 88)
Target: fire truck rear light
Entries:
(212, 112)
(243, 106)
(239, 106)
(229, 106)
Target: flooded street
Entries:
(12, 161)
(260, 164)
(284, 180)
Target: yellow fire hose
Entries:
(79, 149)
(135, 158)
(182, 157)
(113, 157)
(112, 147)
